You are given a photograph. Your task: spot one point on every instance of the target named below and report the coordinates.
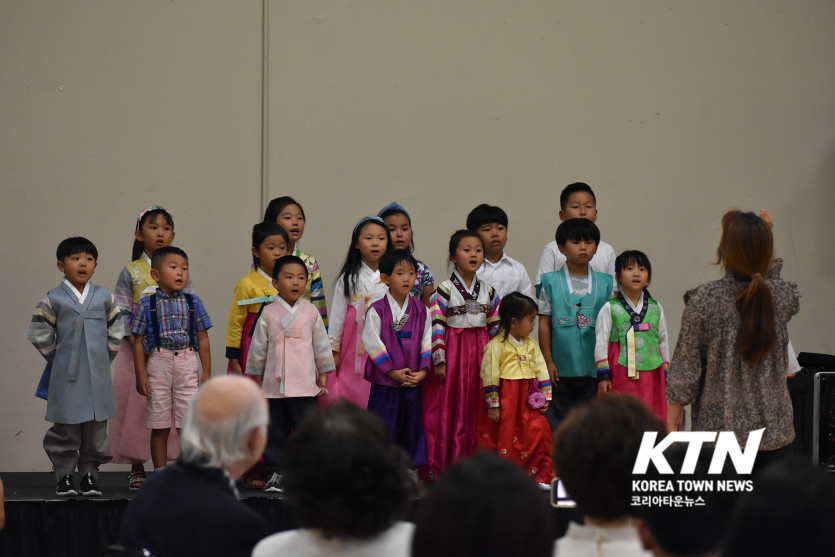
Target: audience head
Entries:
(790, 513)
(483, 506)
(595, 450)
(687, 530)
(226, 425)
(344, 475)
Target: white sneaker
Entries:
(275, 485)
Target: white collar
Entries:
(397, 311)
(639, 307)
(146, 257)
(375, 275)
(464, 283)
(568, 279)
(80, 295)
(283, 302)
(265, 275)
(515, 340)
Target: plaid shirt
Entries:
(172, 313)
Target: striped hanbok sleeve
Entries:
(440, 300)
(43, 330)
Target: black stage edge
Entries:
(41, 524)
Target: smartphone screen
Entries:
(559, 496)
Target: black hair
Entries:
(570, 189)
(160, 255)
(486, 506)
(397, 211)
(391, 258)
(792, 495)
(277, 205)
(689, 530)
(285, 260)
(456, 238)
(486, 214)
(149, 216)
(633, 257)
(577, 229)
(358, 493)
(76, 244)
(514, 306)
(353, 261)
(261, 232)
(595, 449)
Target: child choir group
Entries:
(451, 368)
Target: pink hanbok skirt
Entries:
(348, 381)
(451, 406)
(649, 387)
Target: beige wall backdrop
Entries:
(672, 111)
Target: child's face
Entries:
(580, 205)
(172, 275)
(520, 328)
(578, 252)
(269, 251)
(78, 268)
(371, 243)
(494, 237)
(291, 282)
(401, 280)
(633, 278)
(468, 255)
(291, 219)
(400, 229)
(155, 233)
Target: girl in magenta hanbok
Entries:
(465, 315)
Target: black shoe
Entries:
(89, 487)
(65, 487)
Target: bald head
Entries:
(221, 422)
(226, 396)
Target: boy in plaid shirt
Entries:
(169, 325)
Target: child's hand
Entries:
(544, 408)
(142, 386)
(440, 371)
(235, 365)
(259, 380)
(417, 377)
(400, 375)
(336, 360)
(322, 381)
(605, 386)
(554, 374)
(766, 217)
(205, 376)
(495, 414)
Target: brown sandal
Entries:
(135, 479)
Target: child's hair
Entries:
(351, 268)
(261, 232)
(514, 306)
(149, 215)
(357, 495)
(486, 214)
(746, 250)
(572, 189)
(456, 238)
(285, 260)
(595, 449)
(633, 257)
(391, 258)
(397, 209)
(279, 203)
(76, 244)
(577, 229)
(486, 506)
(160, 255)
